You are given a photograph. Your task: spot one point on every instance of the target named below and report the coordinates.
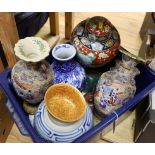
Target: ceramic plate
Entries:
(55, 131)
(65, 102)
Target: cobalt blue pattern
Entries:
(69, 72)
(51, 135)
(16, 118)
(64, 45)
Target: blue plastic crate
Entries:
(145, 83)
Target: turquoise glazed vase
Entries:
(115, 87)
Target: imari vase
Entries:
(96, 41)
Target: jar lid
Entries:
(99, 26)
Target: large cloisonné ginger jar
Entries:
(32, 75)
(115, 87)
(96, 41)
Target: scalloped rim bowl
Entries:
(32, 49)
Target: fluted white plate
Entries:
(55, 131)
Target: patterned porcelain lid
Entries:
(99, 26)
(92, 38)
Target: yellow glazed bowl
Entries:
(65, 102)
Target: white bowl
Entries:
(32, 49)
(63, 52)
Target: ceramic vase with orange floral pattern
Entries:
(116, 87)
(32, 75)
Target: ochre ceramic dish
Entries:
(65, 102)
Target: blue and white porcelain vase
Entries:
(65, 68)
(116, 87)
